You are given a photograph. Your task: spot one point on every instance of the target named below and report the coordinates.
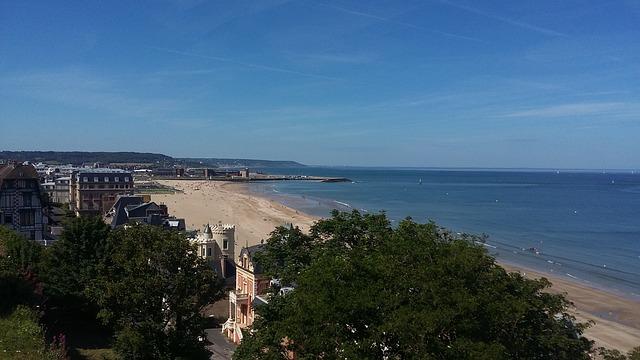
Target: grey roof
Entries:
(103, 171)
(120, 216)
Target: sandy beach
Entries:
(617, 319)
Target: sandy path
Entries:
(617, 319)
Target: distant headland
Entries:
(106, 157)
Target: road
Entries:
(220, 347)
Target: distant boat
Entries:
(420, 181)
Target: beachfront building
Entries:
(21, 200)
(61, 190)
(94, 191)
(250, 289)
(216, 244)
(130, 210)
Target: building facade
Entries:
(61, 190)
(250, 288)
(21, 200)
(95, 191)
(216, 244)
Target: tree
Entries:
(153, 291)
(74, 261)
(608, 354)
(19, 265)
(290, 251)
(371, 291)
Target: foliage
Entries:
(370, 291)
(608, 354)
(19, 261)
(153, 291)
(22, 337)
(19, 253)
(74, 261)
(290, 253)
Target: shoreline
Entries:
(616, 317)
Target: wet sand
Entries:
(617, 319)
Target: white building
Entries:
(216, 244)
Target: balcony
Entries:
(235, 297)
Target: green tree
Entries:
(75, 260)
(414, 292)
(609, 354)
(290, 251)
(19, 265)
(153, 291)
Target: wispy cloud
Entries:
(578, 109)
(332, 58)
(506, 20)
(244, 64)
(394, 22)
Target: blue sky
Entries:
(409, 83)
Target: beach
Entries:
(616, 318)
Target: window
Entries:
(96, 179)
(8, 219)
(126, 179)
(26, 199)
(202, 252)
(106, 179)
(225, 244)
(27, 217)
(208, 251)
(117, 179)
(85, 179)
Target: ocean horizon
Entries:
(578, 224)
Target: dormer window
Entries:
(85, 179)
(126, 179)
(106, 179)
(96, 179)
(117, 179)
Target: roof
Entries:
(17, 171)
(118, 210)
(103, 171)
(251, 251)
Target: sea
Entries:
(580, 225)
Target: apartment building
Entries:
(95, 191)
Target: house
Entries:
(250, 289)
(94, 191)
(216, 244)
(61, 190)
(137, 210)
(21, 200)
